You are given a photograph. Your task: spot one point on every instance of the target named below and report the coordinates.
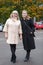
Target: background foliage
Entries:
(34, 8)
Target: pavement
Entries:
(36, 56)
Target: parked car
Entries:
(1, 27)
(38, 25)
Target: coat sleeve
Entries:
(32, 25)
(5, 29)
(20, 29)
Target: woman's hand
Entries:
(20, 36)
(30, 32)
(6, 35)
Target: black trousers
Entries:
(13, 49)
(28, 51)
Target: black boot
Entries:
(27, 56)
(14, 59)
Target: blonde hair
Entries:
(27, 17)
(15, 11)
(24, 11)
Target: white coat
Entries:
(13, 29)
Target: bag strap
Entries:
(28, 26)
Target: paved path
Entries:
(36, 57)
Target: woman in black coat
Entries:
(28, 34)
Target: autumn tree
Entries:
(34, 8)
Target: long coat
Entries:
(13, 28)
(28, 39)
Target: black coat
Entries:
(28, 39)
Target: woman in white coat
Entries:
(13, 31)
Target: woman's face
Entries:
(15, 15)
(24, 14)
